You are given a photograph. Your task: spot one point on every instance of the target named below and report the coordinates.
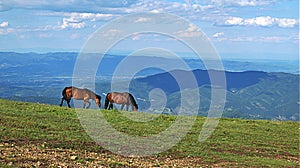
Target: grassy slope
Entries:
(234, 143)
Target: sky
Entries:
(241, 29)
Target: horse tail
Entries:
(133, 102)
(106, 101)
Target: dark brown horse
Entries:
(120, 98)
(79, 94)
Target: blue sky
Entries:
(245, 29)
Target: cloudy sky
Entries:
(251, 29)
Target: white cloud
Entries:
(242, 3)
(191, 9)
(77, 20)
(65, 5)
(191, 31)
(3, 24)
(91, 16)
(159, 6)
(156, 11)
(72, 23)
(264, 21)
(234, 21)
(110, 34)
(265, 39)
(113, 32)
(260, 21)
(6, 31)
(136, 37)
(192, 28)
(78, 14)
(219, 34)
(4, 28)
(142, 20)
(276, 39)
(286, 22)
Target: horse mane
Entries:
(91, 92)
(98, 96)
(88, 90)
(132, 100)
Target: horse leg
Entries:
(62, 101)
(84, 104)
(111, 106)
(127, 106)
(68, 102)
(89, 104)
(122, 107)
(85, 100)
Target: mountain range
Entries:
(253, 89)
(249, 94)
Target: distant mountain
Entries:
(234, 80)
(250, 94)
(253, 89)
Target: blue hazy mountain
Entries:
(250, 94)
(255, 89)
(234, 80)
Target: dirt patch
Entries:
(39, 155)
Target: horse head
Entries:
(98, 100)
(135, 107)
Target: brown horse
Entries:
(79, 94)
(120, 98)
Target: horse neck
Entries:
(131, 99)
(93, 96)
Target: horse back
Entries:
(120, 98)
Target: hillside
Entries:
(50, 136)
(250, 94)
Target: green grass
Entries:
(235, 142)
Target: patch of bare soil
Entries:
(39, 155)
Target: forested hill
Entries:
(250, 94)
(234, 80)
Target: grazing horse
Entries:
(79, 94)
(120, 98)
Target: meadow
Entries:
(39, 135)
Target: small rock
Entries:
(38, 163)
(73, 157)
